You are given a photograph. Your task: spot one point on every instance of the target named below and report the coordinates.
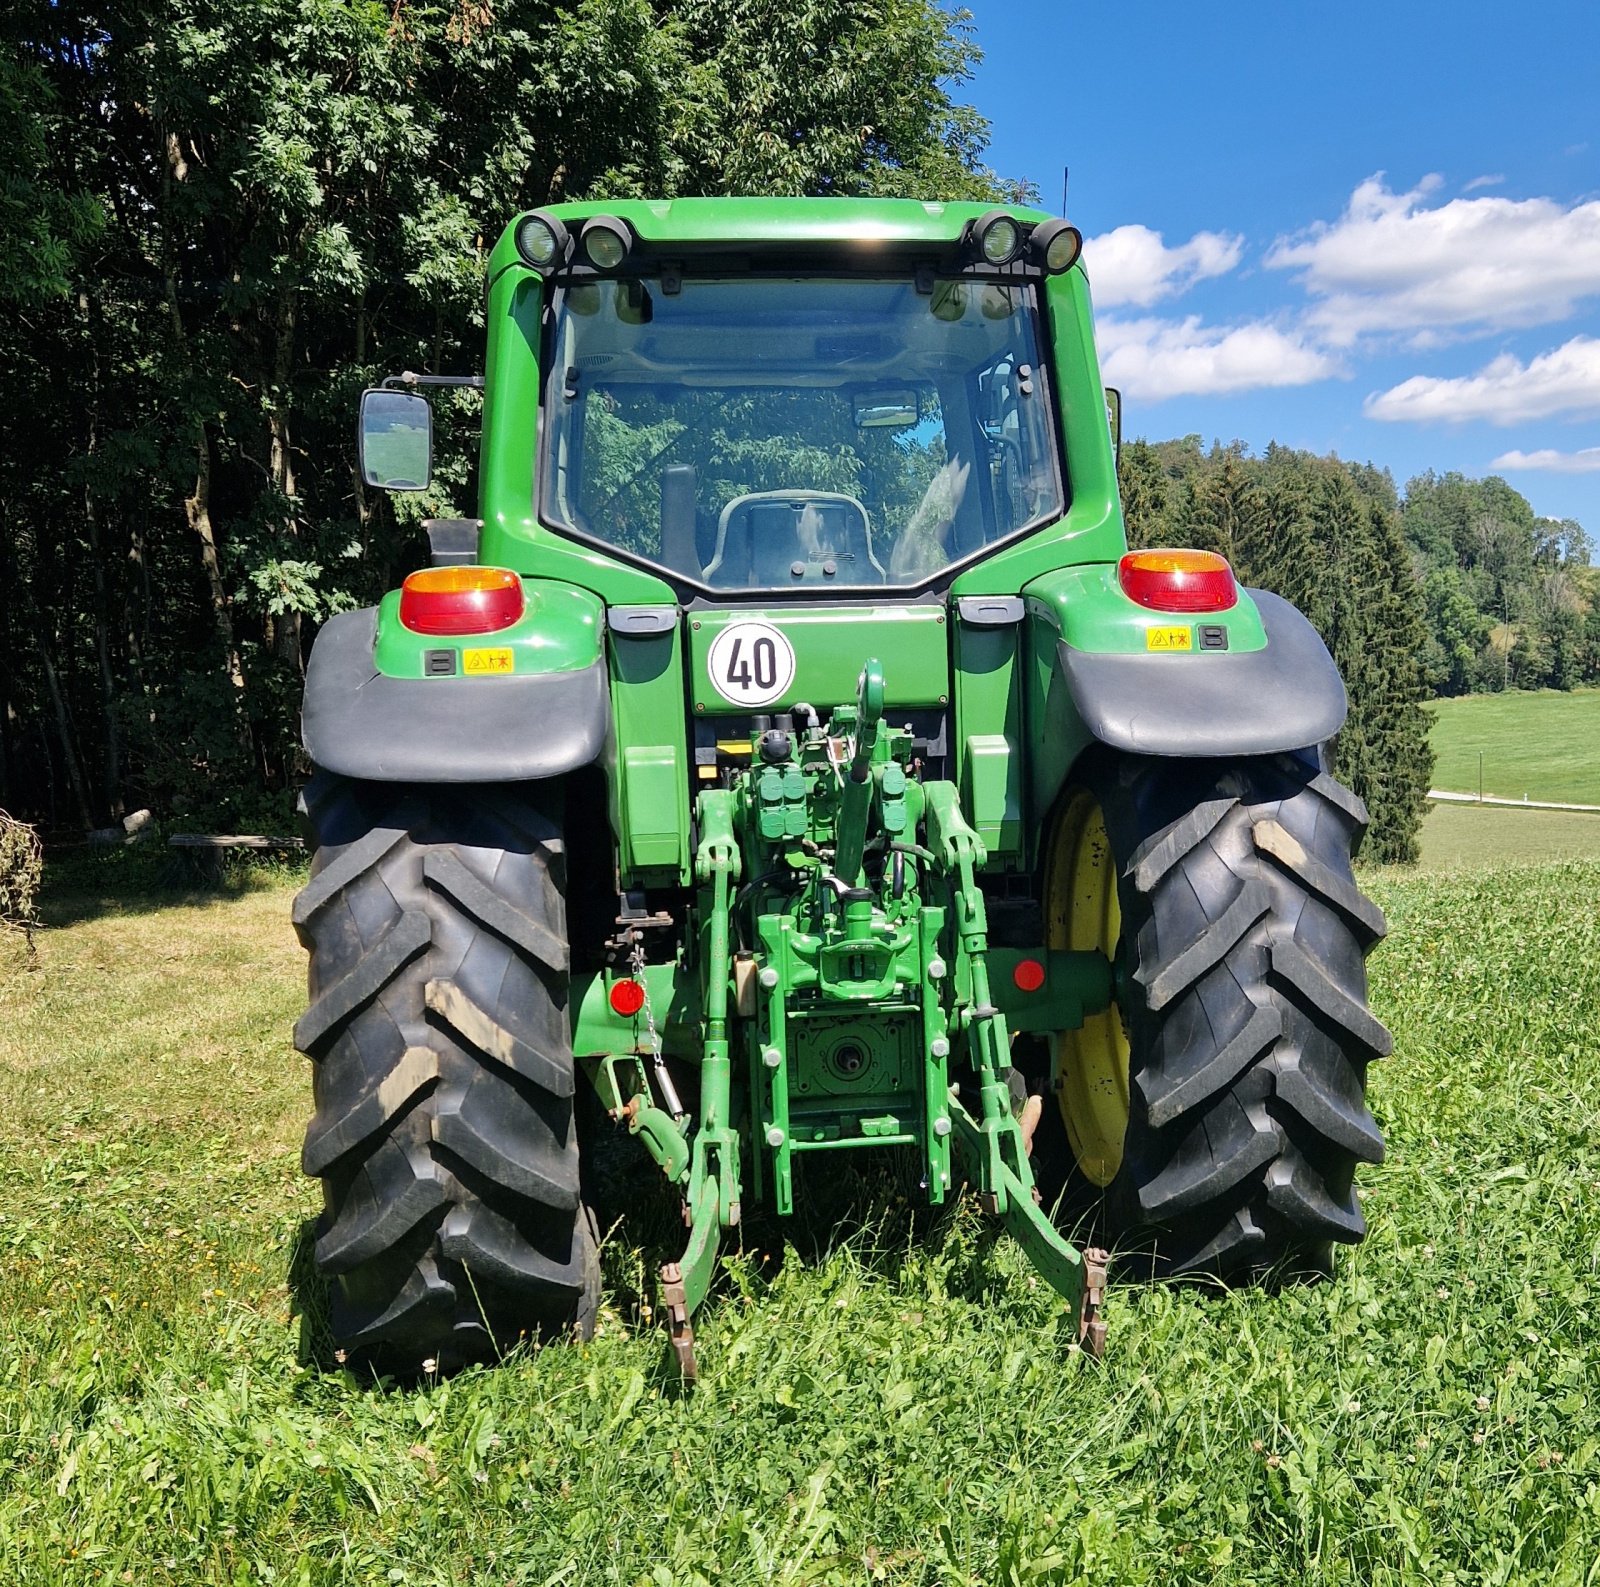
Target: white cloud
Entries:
(1551, 461)
(1391, 263)
(1483, 181)
(1563, 381)
(1152, 359)
(1133, 265)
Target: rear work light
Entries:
(461, 600)
(1178, 581)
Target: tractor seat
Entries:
(776, 539)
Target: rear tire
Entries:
(1243, 996)
(443, 1130)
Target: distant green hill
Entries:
(1543, 745)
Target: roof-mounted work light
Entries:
(606, 241)
(997, 237)
(1055, 245)
(543, 242)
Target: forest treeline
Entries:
(221, 219)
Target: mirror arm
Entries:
(408, 378)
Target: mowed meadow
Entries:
(891, 1398)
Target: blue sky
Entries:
(1370, 229)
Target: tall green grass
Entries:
(900, 1406)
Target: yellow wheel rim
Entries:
(1082, 914)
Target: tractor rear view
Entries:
(792, 752)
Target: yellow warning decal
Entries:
(1159, 639)
(497, 659)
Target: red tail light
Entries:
(1178, 581)
(461, 600)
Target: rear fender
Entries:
(1253, 680)
(529, 702)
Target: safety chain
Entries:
(658, 1063)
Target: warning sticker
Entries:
(496, 659)
(1169, 638)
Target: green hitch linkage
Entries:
(855, 803)
(711, 1202)
(992, 1150)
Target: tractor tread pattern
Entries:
(343, 1129)
(1363, 916)
(328, 883)
(498, 1039)
(1158, 854)
(376, 967)
(479, 899)
(443, 1128)
(1248, 1016)
(1207, 950)
(1167, 1097)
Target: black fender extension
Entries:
(1288, 696)
(358, 722)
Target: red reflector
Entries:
(461, 600)
(627, 997)
(1029, 975)
(1178, 581)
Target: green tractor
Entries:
(793, 753)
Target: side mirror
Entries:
(1114, 419)
(394, 439)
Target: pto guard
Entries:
(358, 721)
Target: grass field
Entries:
(1543, 745)
(900, 1407)
(1471, 835)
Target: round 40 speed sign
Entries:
(751, 664)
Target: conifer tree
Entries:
(1143, 484)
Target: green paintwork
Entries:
(512, 536)
(649, 790)
(1086, 607)
(1092, 529)
(674, 1000)
(1076, 984)
(559, 631)
(989, 748)
(830, 643)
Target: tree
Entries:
(260, 205)
(1143, 485)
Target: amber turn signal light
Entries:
(1178, 581)
(461, 600)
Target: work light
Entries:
(543, 242)
(606, 241)
(998, 237)
(1055, 245)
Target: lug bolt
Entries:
(935, 969)
(941, 1126)
(939, 1047)
(769, 978)
(774, 1136)
(772, 1057)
